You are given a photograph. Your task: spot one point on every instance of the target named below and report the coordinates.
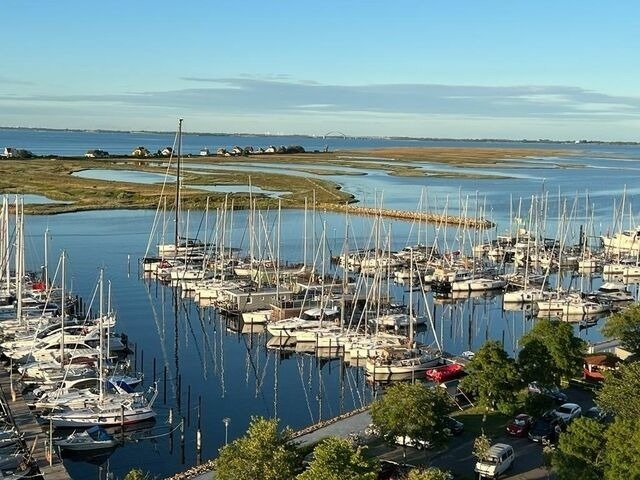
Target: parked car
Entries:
(520, 426)
(500, 458)
(568, 411)
(407, 441)
(547, 428)
(550, 390)
(390, 470)
(596, 413)
(455, 427)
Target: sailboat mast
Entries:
(178, 168)
(101, 358)
(62, 308)
(19, 263)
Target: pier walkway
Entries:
(32, 434)
(352, 423)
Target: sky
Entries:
(562, 70)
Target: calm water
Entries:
(74, 143)
(235, 375)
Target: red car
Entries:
(520, 425)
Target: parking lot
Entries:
(458, 458)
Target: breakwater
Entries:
(430, 217)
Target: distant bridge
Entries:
(334, 134)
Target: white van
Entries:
(499, 459)
(407, 441)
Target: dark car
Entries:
(549, 390)
(390, 470)
(546, 429)
(520, 426)
(596, 413)
(455, 427)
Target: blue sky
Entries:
(459, 69)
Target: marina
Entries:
(208, 365)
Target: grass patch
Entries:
(493, 426)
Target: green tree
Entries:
(620, 392)
(625, 326)
(492, 376)
(536, 364)
(429, 474)
(137, 474)
(413, 410)
(263, 453)
(580, 453)
(565, 349)
(339, 459)
(536, 404)
(481, 446)
(622, 452)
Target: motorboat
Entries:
(93, 438)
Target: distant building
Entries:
(96, 154)
(141, 152)
(204, 152)
(10, 152)
(166, 152)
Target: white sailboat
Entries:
(108, 410)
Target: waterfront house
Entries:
(166, 151)
(96, 154)
(8, 152)
(141, 152)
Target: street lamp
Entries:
(226, 421)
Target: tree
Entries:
(537, 403)
(481, 446)
(492, 376)
(622, 452)
(137, 474)
(579, 455)
(339, 459)
(620, 392)
(413, 410)
(565, 349)
(263, 453)
(429, 474)
(625, 326)
(535, 364)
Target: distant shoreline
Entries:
(355, 137)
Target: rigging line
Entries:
(254, 369)
(161, 200)
(193, 334)
(350, 382)
(207, 341)
(160, 331)
(222, 382)
(306, 395)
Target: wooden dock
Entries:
(34, 437)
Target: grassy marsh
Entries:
(52, 177)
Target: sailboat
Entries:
(181, 245)
(108, 410)
(395, 363)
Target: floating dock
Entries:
(34, 438)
